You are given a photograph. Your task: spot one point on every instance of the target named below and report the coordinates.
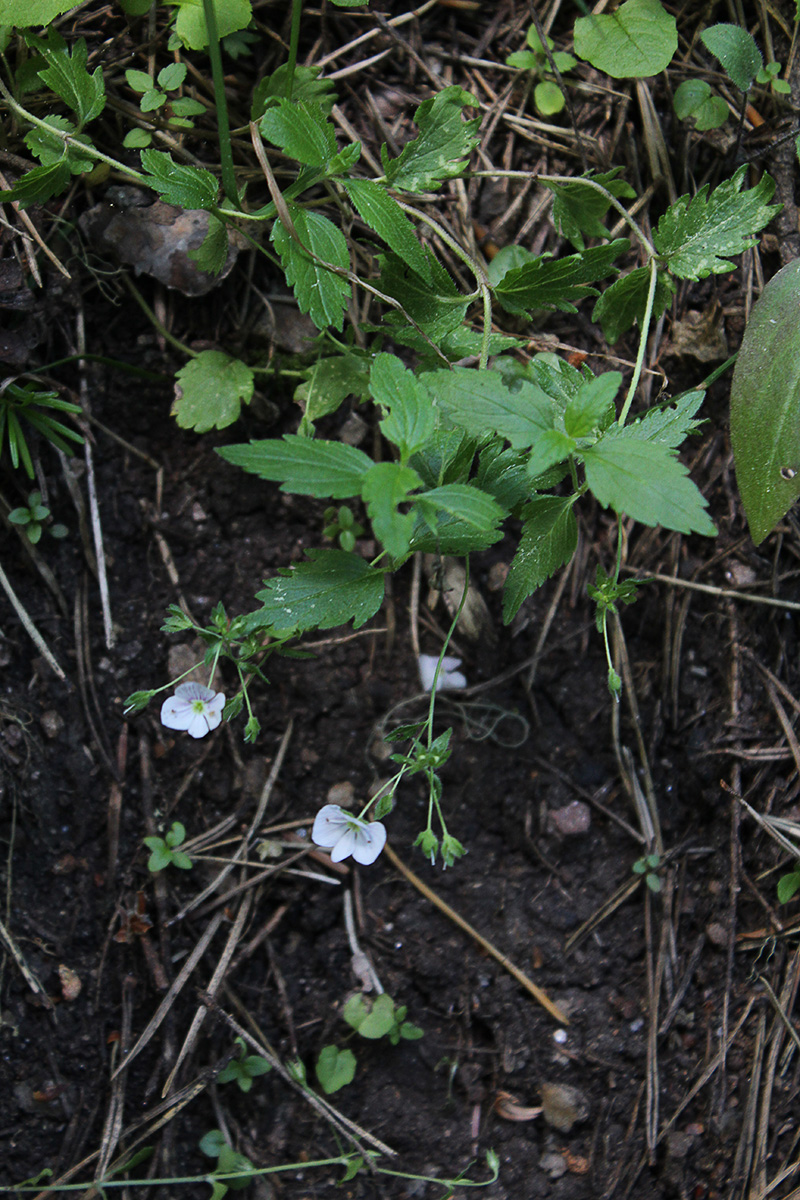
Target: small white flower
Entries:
(193, 709)
(346, 835)
(449, 676)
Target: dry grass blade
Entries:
(29, 627)
(786, 724)
(783, 1004)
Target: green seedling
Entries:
(244, 1068)
(214, 1145)
(335, 1068)
(34, 518)
(547, 95)
(154, 95)
(741, 60)
(648, 866)
(788, 885)
(341, 525)
(165, 850)
(374, 1019)
(24, 402)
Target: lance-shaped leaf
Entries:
(320, 292)
(557, 283)
(441, 150)
(765, 405)
(646, 481)
(549, 538)
(411, 415)
(696, 236)
(310, 467)
(334, 587)
(480, 402)
(384, 487)
(385, 217)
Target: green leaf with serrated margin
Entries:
(635, 42)
(469, 504)
(480, 402)
(49, 147)
(67, 76)
(625, 301)
(558, 283)
(591, 409)
(319, 292)
(190, 23)
(210, 391)
(579, 209)
(301, 130)
(437, 309)
(176, 183)
(736, 50)
(765, 405)
(441, 150)
(696, 236)
(549, 538)
(410, 413)
(212, 253)
(501, 472)
(25, 14)
(384, 486)
(330, 381)
(385, 217)
(306, 88)
(307, 466)
(40, 184)
(670, 425)
(549, 449)
(330, 589)
(646, 481)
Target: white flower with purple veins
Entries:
(345, 834)
(449, 676)
(193, 709)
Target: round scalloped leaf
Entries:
(636, 41)
(765, 405)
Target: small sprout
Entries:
(165, 851)
(335, 1068)
(374, 1019)
(340, 523)
(194, 709)
(788, 885)
(244, 1068)
(547, 95)
(34, 518)
(648, 866)
(346, 835)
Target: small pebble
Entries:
(574, 818)
(343, 794)
(563, 1106)
(554, 1165)
(52, 723)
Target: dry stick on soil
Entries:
(113, 1123)
(540, 996)
(29, 627)
(723, 593)
(86, 686)
(776, 1037)
(115, 806)
(743, 1162)
(216, 982)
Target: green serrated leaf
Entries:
(320, 292)
(330, 381)
(501, 472)
(385, 217)
(306, 88)
(480, 402)
(695, 236)
(184, 186)
(437, 309)
(210, 391)
(468, 504)
(442, 148)
(212, 253)
(40, 184)
(330, 589)
(550, 448)
(549, 538)
(303, 465)
(301, 130)
(646, 481)
(579, 209)
(670, 426)
(190, 24)
(694, 98)
(591, 410)
(625, 300)
(765, 405)
(737, 51)
(49, 148)
(635, 42)
(67, 76)
(411, 415)
(27, 14)
(558, 283)
(384, 487)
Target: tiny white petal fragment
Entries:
(345, 835)
(449, 676)
(194, 709)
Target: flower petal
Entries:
(200, 725)
(194, 691)
(329, 825)
(449, 676)
(177, 714)
(346, 845)
(368, 843)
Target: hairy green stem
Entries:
(223, 124)
(637, 370)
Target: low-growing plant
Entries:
(379, 1017)
(26, 404)
(547, 95)
(34, 517)
(244, 1068)
(648, 867)
(166, 852)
